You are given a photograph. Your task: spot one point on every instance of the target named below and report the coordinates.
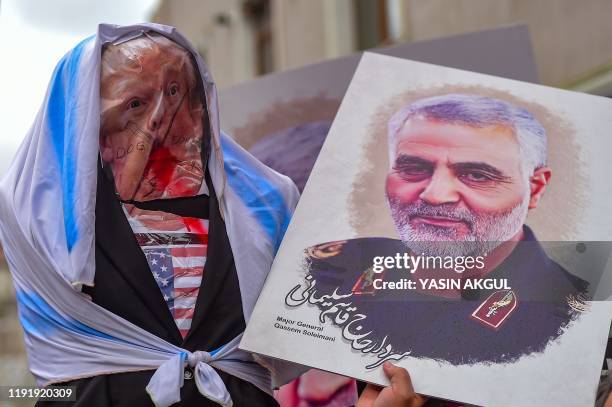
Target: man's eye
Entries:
(173, 90)
(412, 169)
(413, 172)
(475, 176)
(134, 104)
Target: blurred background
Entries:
(243, 39)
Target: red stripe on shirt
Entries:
(188, 271)
(183, 313)
(194, 251)
(186, 292)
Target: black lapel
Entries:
(115, 237)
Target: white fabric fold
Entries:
(164, 386)
(209, 383)
(47, 210)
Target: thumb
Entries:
(400, 380)
(402, 385)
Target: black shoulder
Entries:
(353, 247)
(569, 288)
(564, 278)
(339, 264)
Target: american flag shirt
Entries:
(175, 248)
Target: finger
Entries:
(400, 380)
(419, 401)
(368, 395)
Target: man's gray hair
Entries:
(477, 111)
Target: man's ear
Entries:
(537, 183)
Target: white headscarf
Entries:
(47, 209)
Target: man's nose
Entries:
(157, 116)
(441, 188)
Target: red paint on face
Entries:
(160, 168)
(152, 121)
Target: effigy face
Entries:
(152, 119)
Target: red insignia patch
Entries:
(496, 309)
(365, 282)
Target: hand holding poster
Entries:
(412, 240)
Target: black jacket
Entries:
(125, 286)
(445, 329)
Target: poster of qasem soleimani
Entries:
(456, 224)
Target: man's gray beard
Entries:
(486, 231)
